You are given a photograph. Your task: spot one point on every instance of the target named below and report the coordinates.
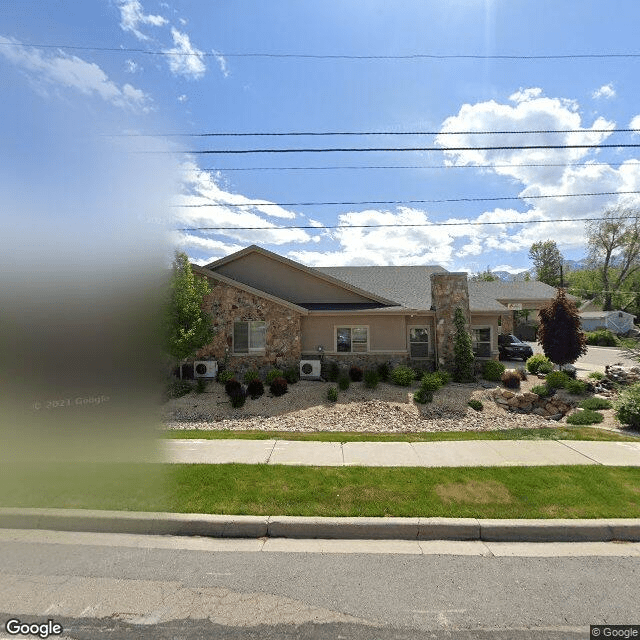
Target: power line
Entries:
(446, 200)
(255, 54)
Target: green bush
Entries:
(278, 386)
(492, 370)
(557, 379)
(510, 379)
(422, 396)
(332, 394)
(333, 372)
(371, 379)
(273, 374)
(225, 376)
(177, 389)
(445, 376)
(238, 397)
(355, 373)
(344, 382)
(402, 376)
(542, 390)
(255, 389)
(602, 338)
(250, 375)
(539, 364)
(585, 417)
(384, 371)
(463, 358)
(201, 385)
(596, 375)
(627, 406)
(576, 387)
(291, 375)
(430, 382)
(595, 403)
(476, 404)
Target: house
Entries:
(269, 310)
(619, 322)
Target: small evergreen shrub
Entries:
(542, 390)
(238, 397)
(402, 376)
(557, 380)
(250, 375)
(595, 403)
(255, 388)
(476, 404)
(291, 375)
(333, 372)
(278, 386)
(422, 396)
(201, 385)
(510, 379)
(384, 371)
(430, 382)
(602, 338)
(463, 358)
(576, 387)
(332, 394)
(355, 373)
(585, 417)
(344, 382)
(232, 386)
(273, 374)
(225, 376)
(522, 372)
(371, 379)
(596, 375)
(492, 370)
(627, 406)
(445, 376)
(539, 364)
(177, 389)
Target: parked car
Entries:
(512, 348)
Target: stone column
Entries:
(448, 292)
(506, 322)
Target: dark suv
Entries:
(512, 348)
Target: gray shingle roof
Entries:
(499, 290)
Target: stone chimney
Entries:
(448, 292)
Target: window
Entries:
(249, 336)
(352, 339)
(481, 339)
(418, 342)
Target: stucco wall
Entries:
(491, 321)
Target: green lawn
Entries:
(494, 492)
(544, 433)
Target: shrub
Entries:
(273, 374)
(255, 388)
(510, 379)
(250, 375)
(430, 382)
(422, 396)
(522, 372)
(557, 380)
(344, 382)
(627, 406)
(476, 404)
(278, 386)
(225, 376)
(332, 394)
(371, 379)
(238, 397)
(333, 372)
(492, 370)
(602, 338)
(585, 417)
(542, 390)
(231, 386)
(201, 385)
(463, 357)
(177, 389)
(596, 375)
(384, 371)
(291, 375)
(355, 373)
(445, 376)
(402, 376)
(576, 387)
(539, 364)
(595, 403)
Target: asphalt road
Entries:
(123, 592)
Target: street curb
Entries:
(237, 526)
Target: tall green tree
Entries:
(485, 276)
(614, 249)
(463, 357)
(547, 261)
(188, 327)
(560, 332)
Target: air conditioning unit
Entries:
(310, 369)
(205, 369)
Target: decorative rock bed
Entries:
(552, 408)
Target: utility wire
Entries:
(491, 199)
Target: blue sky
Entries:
(68, 168)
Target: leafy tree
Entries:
(485, 276)
(547, 260)
(614, 249)
(188, 327)
(462, 350)
(560, 333)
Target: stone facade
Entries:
(506, 322)
(229, 304)
(448, 292)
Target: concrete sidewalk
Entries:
(459, 453)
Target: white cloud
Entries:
(184, 59)
(132, 15)
(61, 69)
(183, 98)
(605, 91)
(222, 63)
(635, 123)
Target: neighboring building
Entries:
(269, 310)
(616, 321)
